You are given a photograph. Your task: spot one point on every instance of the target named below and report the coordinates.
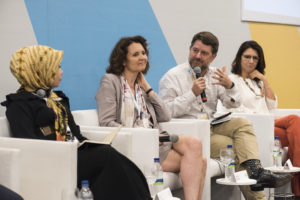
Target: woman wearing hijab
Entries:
(248, 70)
(36, 111)
(125, 97)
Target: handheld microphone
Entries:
(169, 138)
(197, 71)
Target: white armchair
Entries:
(9, 168)
(139, 145)
(88, 121)
(263, 125)
(284, 112)
(46, 168)
(200, 129)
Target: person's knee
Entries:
(243, 125)
(294, 118)
(242, 121)
(194, 144)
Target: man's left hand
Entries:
(222, 78)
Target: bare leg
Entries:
(187, 158)
(203, 174)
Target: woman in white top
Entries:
(248, 70)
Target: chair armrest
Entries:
(46, 167)
(141, 144)
(263, 126)
(195, 127)
(200, 129)
(4, 127)
(9, 168)
(86, 117)
(122, 142)
(285, 112)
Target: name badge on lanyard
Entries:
(138, 104)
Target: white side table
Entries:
(244, 182)
(222, 181)
(282, 171)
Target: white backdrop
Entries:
(15, 31)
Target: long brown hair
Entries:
(236, 64)
(119, 53)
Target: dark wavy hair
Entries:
(236, 64)
(119, 53)
(207, 38)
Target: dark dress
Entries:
(111, 175)
(7, 194)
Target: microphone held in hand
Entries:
(168, 138)
(197, 71)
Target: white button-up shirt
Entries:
(175, 88)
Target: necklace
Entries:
(260, 89)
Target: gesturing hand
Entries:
(222, 78)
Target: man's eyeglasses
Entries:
(248, 57)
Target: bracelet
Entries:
(148, 91)
(232, 85)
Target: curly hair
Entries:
(119, 53)
(236, 64)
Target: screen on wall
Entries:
(273, 11)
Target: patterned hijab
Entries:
(35, 67)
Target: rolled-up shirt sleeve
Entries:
(271, 103)
(230, 98)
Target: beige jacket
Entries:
(109, 101)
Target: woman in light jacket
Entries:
(125, 97)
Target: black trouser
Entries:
(7, 194)
(111, 175)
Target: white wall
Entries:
(180, 20)
(15, 32)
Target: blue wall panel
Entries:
(87, 31)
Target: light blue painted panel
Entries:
(87, 31)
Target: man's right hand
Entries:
(198, 86)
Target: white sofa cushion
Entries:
(9, 168)
(46, 167)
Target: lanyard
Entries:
(136, 101)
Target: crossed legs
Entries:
(186, 157)
(288, 130)
(239, 133)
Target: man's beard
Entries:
(202, 65)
